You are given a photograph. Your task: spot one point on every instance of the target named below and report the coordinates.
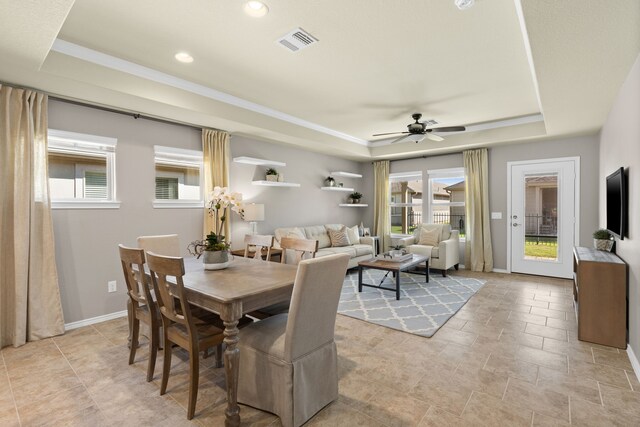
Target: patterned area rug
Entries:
(423, 307)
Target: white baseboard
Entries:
(94, 320)
(634, 361)
(500, 270)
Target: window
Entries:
(81, 170)
(446, 198)
(178, 178)
(406, 201)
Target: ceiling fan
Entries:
(417, 131)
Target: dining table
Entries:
(244, 286)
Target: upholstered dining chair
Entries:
(181, 327)
(258, 242)
(167, 244)
(142, 305)
(289, 361)
(300, 247)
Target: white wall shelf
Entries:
(345, 174)
(275, 184)
(257, 162)
(353, 205)
(336, 188)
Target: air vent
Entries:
(430, 122)
(296, 40)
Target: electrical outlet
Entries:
(112, 286)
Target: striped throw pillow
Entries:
(339, 237)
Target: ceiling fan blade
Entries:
(449, 129)
(390, 133)
(434, 137)
(399, 139)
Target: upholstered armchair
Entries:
(437, 240)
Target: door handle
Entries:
(515, 224)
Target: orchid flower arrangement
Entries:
(218, 203)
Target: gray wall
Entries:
(620, 147)
(87, 239)
(585, 147)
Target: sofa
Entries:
(444, 255)
(360, 248)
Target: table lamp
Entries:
(253, 213)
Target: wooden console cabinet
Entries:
(600, 297)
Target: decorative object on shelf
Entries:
(280, 177)
(603, 240)
(329, 182)
(355, 197)
(396, 251)
(271, 175)
(340, 184)
(253, 212)
(215, 246)
(367, 232)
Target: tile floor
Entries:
(509, 357)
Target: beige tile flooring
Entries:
(510, 356)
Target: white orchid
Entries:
(217, 203)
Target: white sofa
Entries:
(359, 251)
(443, 256)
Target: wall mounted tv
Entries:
(617, 203)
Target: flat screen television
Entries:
(617, 203)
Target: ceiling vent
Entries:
(296, 40)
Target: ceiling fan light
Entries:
(415, 137)
(464, 4)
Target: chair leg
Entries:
(194, 372)
(166, 366)
(444, 273)
(457, 267)
(153, 353)
(218, 363)
(135, 331)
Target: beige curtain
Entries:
(215, 150)
(478, 251)
(30, 307)
(381, 221)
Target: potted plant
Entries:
(603, 240)
(215, 246)
(396, 250)
(272, 174)
(330, 182)
(355, 197)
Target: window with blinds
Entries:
(81, 170)
(166, 188)
(178, 178)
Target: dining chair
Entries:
(258, 242)
(142, 305)
(301, 247)
(167, 244)
(289, 361)
(181, 327)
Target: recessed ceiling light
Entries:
(464, 4)
(255, 8)
(184, 57)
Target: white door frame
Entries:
(576, 224)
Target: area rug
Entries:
(423, 307)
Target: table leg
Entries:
(427, 271)
(359, 278)
(397, 285)
(232, 365)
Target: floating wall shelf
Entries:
(275, 184)
(257, 162)
(345, 174)
(336, 188)
(353, 205)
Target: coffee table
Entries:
(392, 267)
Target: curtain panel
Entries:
(30, 307)
(381, 219)
(478, 250)
(215, 150)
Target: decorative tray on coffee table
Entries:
(394, 258)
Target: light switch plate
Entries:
(112, 286)
(496, 215)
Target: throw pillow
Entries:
(296, 233)
(339, 237)
(353, 234)
(429, 237)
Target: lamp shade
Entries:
(254, 212)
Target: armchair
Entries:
(443, 256)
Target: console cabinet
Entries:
(600, 297)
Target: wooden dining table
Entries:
(245, 286)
